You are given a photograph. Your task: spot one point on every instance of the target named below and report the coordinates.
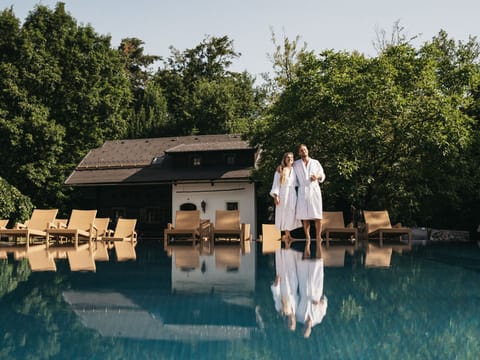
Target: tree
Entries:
(203, 96)
(388, 130)
(148, 116)
(65, 92)
(13, 205)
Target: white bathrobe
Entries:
(309, 198)
(312, 302)
(286, 269)
(285, 218)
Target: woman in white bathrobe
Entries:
(285, 287)
(285, 197)
(312, 305)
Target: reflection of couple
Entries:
(298, 290)
(304, 173)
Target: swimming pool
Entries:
(423, 303)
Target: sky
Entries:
(341, 25)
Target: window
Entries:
(154, 215)
(196, 160)
(232, 205)
(188, 206)
(230, 159)
(118, 213)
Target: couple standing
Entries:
(293, 209)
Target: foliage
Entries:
(12, 274)
(203, 96)
(13, 205)
(65, 92)
(391, 131)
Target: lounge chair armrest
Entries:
(169, 226)
(350, 225)
(20, 226)
(397, 225)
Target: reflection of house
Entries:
(149, 179)
(151, 316)
(226, 270)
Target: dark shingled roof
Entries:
(140, 161)
(208, 146)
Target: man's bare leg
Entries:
(306, 229)
(318, 228)
(307, 330)
(288, 239)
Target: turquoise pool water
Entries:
(388, 304)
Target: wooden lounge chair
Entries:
(227, 225)
(124, 239)
(82, 259)
(80, 227)
(333, 224)
(227, 256)
(378, 224)
(101, 239)
(335, 256)
(377, 256)
(187, 223)
(271, 239)
(3, 223)
(41, 260)
(185, 258)
(33, 229)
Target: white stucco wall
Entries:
(209, 276)
(216, 198)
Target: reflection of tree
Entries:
(414, 309)
(36, 323)
(12, 274)
(350, 309)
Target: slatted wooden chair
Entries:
(377, 225)
(227, 225)
(80, 227)
(33, 230)
(271, 239)
(124, 239)
(187, 223)
(334, 225)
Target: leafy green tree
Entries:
(391, 131)
(65, 91)
(148, 111)
(13, 205)
(137, 63)
(149, 116)
(203, 96)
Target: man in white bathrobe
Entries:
(312, 305)
(309, 199)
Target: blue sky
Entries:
(322, 24)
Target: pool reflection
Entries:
(83, 258)
(204, 303)
(209, 268)
(211, 298)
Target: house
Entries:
(149, 179)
